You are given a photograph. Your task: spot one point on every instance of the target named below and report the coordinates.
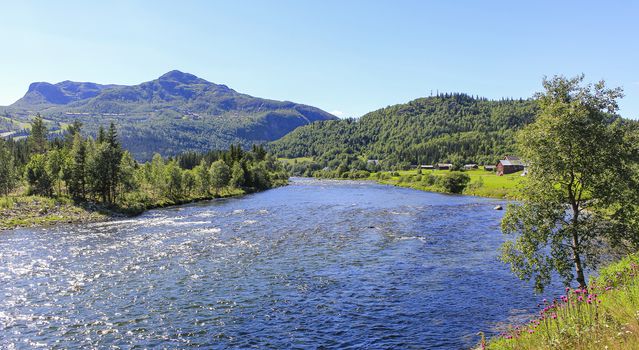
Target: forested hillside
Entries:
(175, 113)
(452, 128)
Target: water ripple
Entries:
(318, 264)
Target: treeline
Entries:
(101, 171)
(450, 128)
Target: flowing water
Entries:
(317, 264)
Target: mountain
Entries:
(43, 95)
(175, 113)
(449, 127)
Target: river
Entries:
(317, 264)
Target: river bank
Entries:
(36, 211)
(481, 183)
(30, 211)
(603, 316)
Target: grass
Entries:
(482, 183)
(137, 202)
(19, 210)
(605, 316)
(27, 211)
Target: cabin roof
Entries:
(511, 162)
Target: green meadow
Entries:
(482, 183)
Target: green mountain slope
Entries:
(175, 113)
(451, 127)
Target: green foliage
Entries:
(238, 176)
(203, 177)
(453, 128)
(173, 181)
(38, 138)
(581, 191)
(453, 182)
(55, 164)
(108, 177)
(189, 182)
(619, 273)
(220, 175)
(603, 316)
(7, 169)
(76, 168)
(175, 113)
(37, 176)
(482, 183)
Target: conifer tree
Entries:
(37, 139)
(8, 174)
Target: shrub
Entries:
(429, 179)
(453, 182)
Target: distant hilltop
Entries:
(175, 113)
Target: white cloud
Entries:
(336, 113)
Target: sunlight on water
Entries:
(336, 264)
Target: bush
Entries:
(359, 174)
(453, 182)
(429, 179)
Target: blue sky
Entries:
(347, 57)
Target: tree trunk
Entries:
(579, 271)
(581, 279)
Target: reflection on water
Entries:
(317, 264)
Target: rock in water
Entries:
(499, 207)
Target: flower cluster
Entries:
(580, 299)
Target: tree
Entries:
(127, 173)
(259, 152)
(174, 180)
(55, 163)
(238, 176)
(7, 170)
(188, 182)
(156, 174)
(220, 175)
(37, 139)
(98, 172)
(72, 130)
(581, 191)
(101, 135)
(113, 159)
(37, 176)
(75, 169)
(203, 178)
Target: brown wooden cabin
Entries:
(509, 165)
